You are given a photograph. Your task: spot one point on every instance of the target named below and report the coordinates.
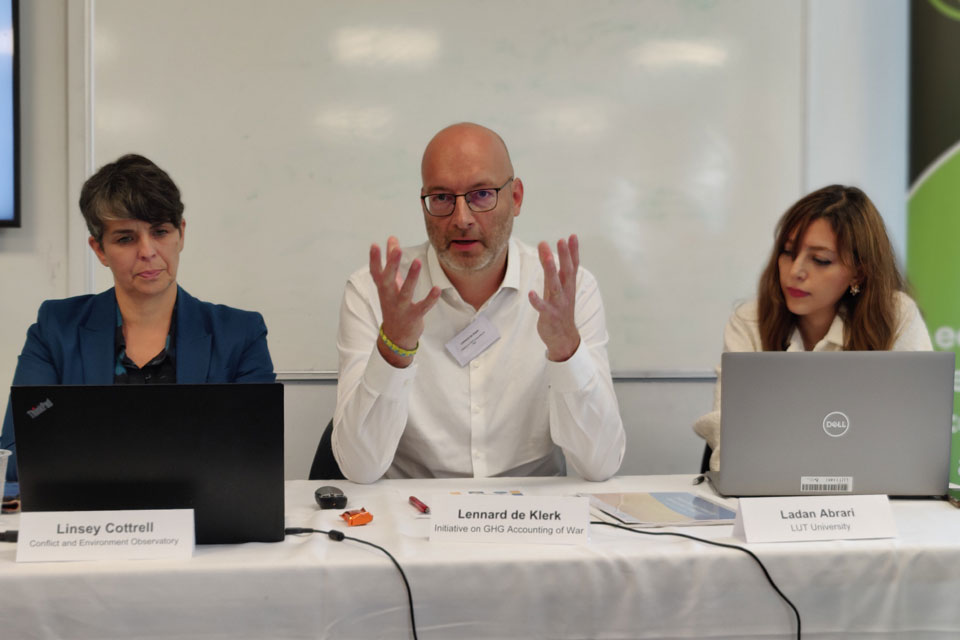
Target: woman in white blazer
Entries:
(831, 284)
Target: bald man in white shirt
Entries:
(445, 369)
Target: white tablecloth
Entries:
(619, 585)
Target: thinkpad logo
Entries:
(836, 423)
(40, 408)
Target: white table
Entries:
(619, 585)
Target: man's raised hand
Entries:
(402, 317)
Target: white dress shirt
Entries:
(508, 412)
(743, 334)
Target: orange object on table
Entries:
(357, 517)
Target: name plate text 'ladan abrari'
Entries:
(510, 519)
(800, 518)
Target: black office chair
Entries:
(324, 465)
(705, 463)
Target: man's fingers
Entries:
(551, 283)
(575, 251)
(427, 303)
(413, 274)
(538, 303)
(552, 286)
(544, 250)
(566, 263)
(394, 254)
(568, 254)
(376, 269)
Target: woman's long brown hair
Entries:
(870, 318)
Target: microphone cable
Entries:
(716, 544)
(339, 536)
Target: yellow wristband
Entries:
(400, 351)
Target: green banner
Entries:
(933, 212)
(933, 266)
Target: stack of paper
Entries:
(662, 509)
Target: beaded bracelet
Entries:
(400, 351)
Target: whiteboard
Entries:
(667, 134)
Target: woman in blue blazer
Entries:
(146, 329)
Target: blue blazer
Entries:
(72, 342)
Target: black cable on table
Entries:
(716, 544)
(339, 536)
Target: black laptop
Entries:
(214, 448)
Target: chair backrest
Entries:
(324, 465)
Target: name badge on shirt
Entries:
(474, 340)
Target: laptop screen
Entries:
(853, 422)
(214, 448)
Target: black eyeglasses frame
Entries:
(496, 190)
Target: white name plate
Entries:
(474, 340)
(509, 519)
(803, 518)
(105, 535)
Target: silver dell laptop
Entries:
(849, 422)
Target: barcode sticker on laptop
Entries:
(838, 484)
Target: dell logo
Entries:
(40, 408)
(836, 424)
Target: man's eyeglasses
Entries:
(441, 205)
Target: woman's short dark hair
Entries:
(133, 187)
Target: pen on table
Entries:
(422, 508)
